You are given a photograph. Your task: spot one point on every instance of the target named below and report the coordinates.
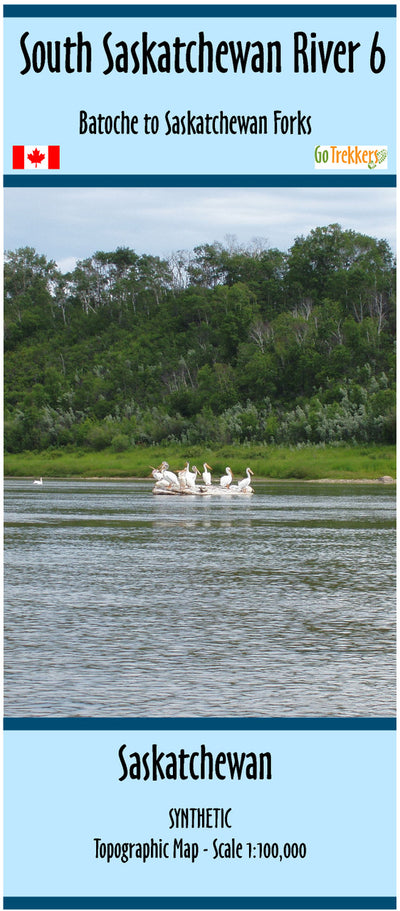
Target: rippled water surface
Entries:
(118, 602)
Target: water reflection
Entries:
(121, 603)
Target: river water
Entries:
(121, 603)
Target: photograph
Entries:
(199, 427)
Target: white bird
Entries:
(191, 476)
(183, 476)
(158, 477)
(206, 473)
(226, 479)
(245, 484)
(169, 475)
(39, 483)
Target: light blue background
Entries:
(333, 790)
(346, 108)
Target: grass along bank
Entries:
(306, 462)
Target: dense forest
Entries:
(222, 344)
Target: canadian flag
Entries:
(40, 158)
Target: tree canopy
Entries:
(224, 343)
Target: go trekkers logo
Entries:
(350, 157)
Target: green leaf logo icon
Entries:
(381, 155)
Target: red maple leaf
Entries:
(36, 157)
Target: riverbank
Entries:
(308, 463)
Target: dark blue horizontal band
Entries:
(212, 11)
(280, 902)
(199, 724)
(199, 180)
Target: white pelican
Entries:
(206, 473)
(226, 479)
(183, 476)
(245, 484)
(191, 476)
(159, 479)
(169, 475)
(39, 483)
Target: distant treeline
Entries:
(222, 344)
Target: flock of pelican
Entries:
(185, 480)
